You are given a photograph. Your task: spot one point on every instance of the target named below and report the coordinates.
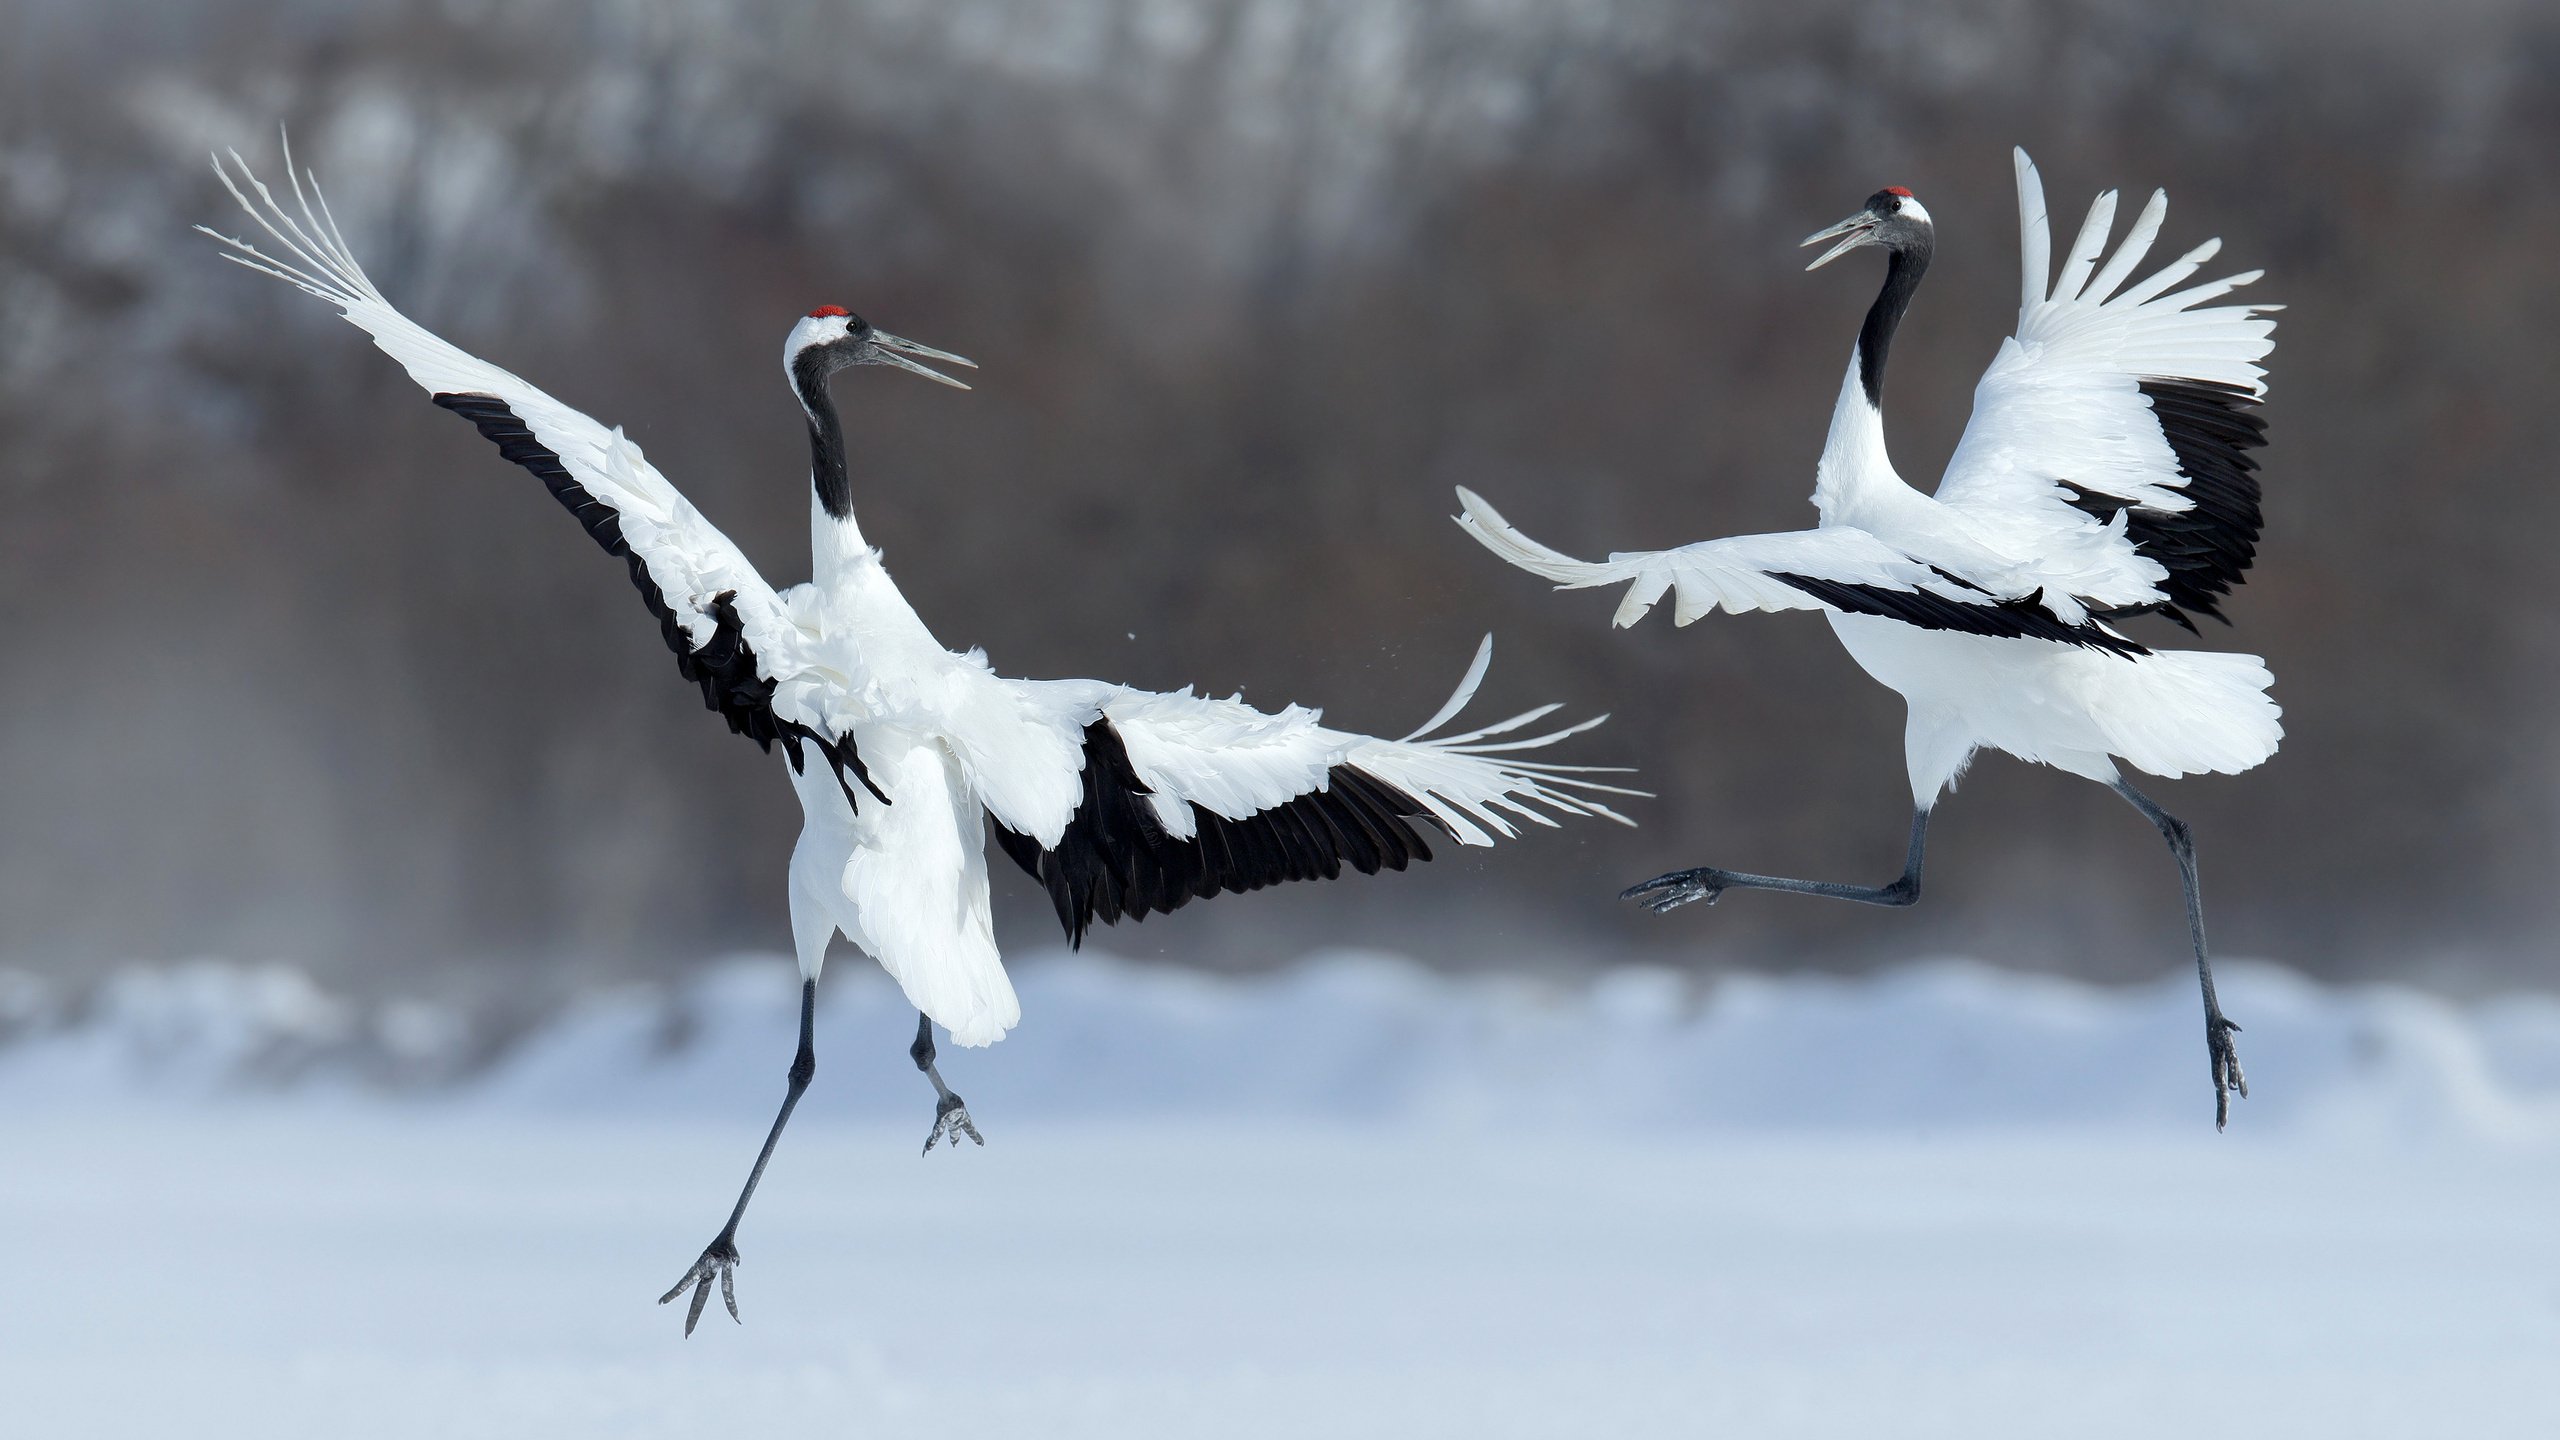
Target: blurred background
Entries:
(304, 673)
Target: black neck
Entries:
(827, 472)
(1901, 278)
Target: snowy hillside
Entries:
(1352, 1200)
(1363, 1038)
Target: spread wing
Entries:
(1837, 567)
(2140, 404)
(731, 634)
(1175, 798)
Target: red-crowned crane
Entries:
(2105, 474)
(1120, 802)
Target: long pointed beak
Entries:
(894, 350)
(1854, 232)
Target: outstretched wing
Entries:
(2141, 404)
(730, 632)
(1180, 797)
(1838, 567)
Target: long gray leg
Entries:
(950, 1113)
(2218, 1028)
(1670, 892)
(720, 1257)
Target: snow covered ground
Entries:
(1351, 1200)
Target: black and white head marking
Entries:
(1895, 220)
(832, 338)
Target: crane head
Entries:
(1893, 218)
(831, 338)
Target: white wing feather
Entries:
(1735, 574)
(2062, 400)
(687, 557)
(1235, 761)
(1025, 757)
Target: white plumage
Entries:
(1121, 802)
(2104, 474)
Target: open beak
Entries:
(895, 350)
(1853, 232)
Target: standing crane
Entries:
(1121, 803)
(2105, 474)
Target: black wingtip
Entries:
(2208, 547)
(2024, 619)
(1115, 861)
(723, 665)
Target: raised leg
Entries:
(720, 1257)
(1670, 892)
(2218, 1028)
(950, 1113)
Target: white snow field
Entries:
(1351, 1200)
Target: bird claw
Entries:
(2227, 1077)
(1665, 893)
(951, 1120)
(719, 1260)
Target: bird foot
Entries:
(951, 1121)
(1665, 893)
(719, 1261)
(2227, 1078)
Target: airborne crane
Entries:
(2105, 474)
(1121, 803)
